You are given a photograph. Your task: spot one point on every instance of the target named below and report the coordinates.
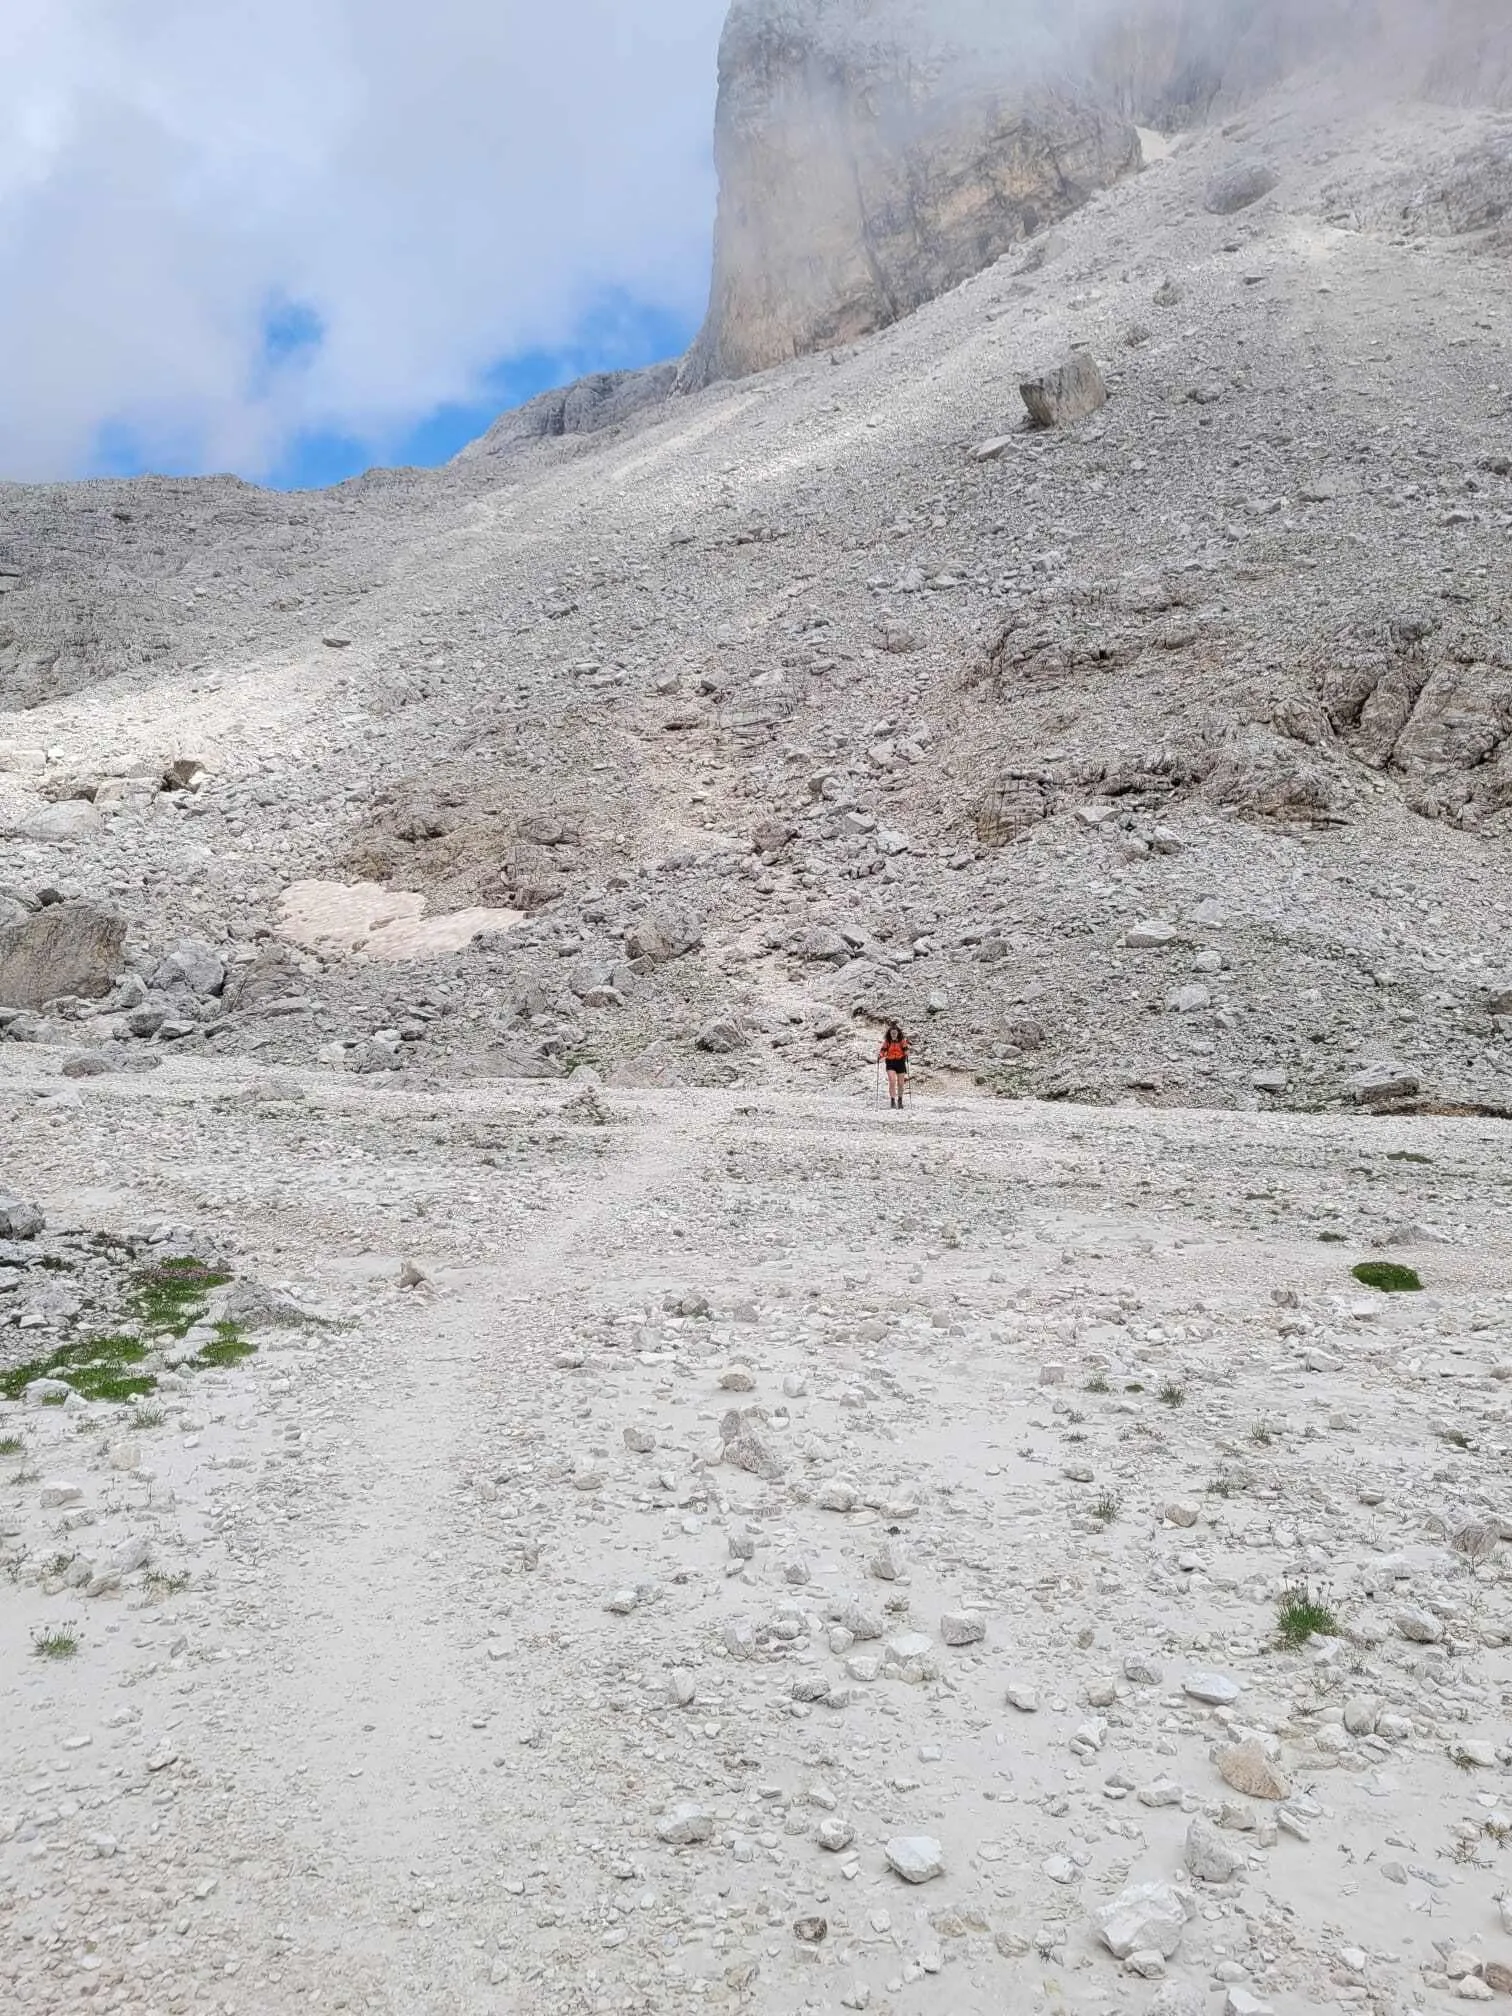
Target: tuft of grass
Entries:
(1134, 1386)
(158, 1582)
(58, 1641)
(1387, 1276)
(1300, 1615)
(1332, 1239)
(58, 1565)
(228, 1347)
(12, 1445)
(1456, 1438)
(1222, 1486)
(1262, 1434)
(1173, 1393)
(169, 1298)
(1098, 1383)
(1107, 1507)
(148, 1417)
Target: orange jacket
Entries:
(895, 1053)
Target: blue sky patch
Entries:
(617, 334)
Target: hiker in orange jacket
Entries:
(894, 1054)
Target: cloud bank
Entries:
(225, 223)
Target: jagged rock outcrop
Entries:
(603, 399)
(866, 166)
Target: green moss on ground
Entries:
(1387, 1276)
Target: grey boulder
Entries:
(193, 966)
(663, 934)
(66, 949)
(721, 1037)
(1068, 393)
(1239, 187)
(19, 1220)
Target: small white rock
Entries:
(1217, 1689)
(917, 1858)
(1144, 1917)
(684, 1825)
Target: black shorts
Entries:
(898, 1064)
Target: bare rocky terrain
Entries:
(739, 1493)
(524, 1486)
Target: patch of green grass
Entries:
(15, 1380)
(1107, 1507)
(159, 1583)
(118, 1387)
(1388, 1276)
(169, 1298)
(148, 1417)
(1173, 1393)
(120, 1349)
(1332, 1239)
(58, 1641)
(228, 1347)
(1300, 1615)
(94, 1367)
(1098, 1383)
(12, 1445)
(1262, 1434)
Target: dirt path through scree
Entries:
(383, 1777)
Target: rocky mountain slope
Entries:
(1165, 756)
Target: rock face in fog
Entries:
(1175, 63)
(866, 167)
(875, 153)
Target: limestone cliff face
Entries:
(867, 165)
(874, 153)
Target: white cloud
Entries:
(441, 181)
